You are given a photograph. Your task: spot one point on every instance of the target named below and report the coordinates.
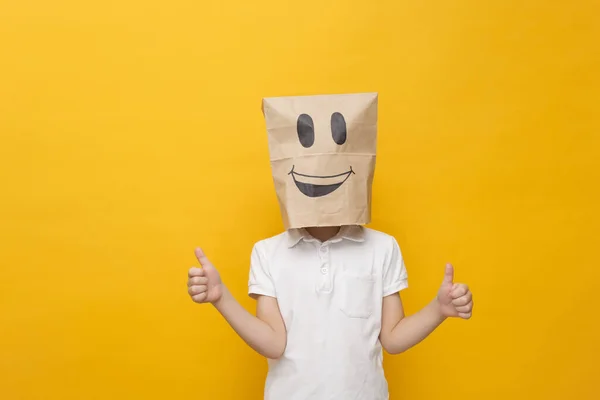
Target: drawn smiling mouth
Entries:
(326, 185)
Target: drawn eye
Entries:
(338, 128)
(306, 130)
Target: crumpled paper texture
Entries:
(322, 150)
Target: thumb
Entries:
(449, 274)
(201, 257)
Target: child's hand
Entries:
(455, 299)
(204, 283)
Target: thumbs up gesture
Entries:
(204, 283)
(455, 299)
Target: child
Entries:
(327, 289)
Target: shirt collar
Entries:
(355, 233)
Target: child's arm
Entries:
(265, 332)
(399, 333)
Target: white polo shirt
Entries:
(330, 296)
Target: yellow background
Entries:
(131, 132)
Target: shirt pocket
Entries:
(356, 295)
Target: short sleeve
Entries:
(395, 277)
(260, 281)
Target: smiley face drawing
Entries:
(322, 152)
(306, 135)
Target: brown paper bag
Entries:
(322, 151)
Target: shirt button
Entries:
(323, 249)
(324, 270)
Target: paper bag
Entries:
(322, 151)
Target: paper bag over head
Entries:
(322, 151)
